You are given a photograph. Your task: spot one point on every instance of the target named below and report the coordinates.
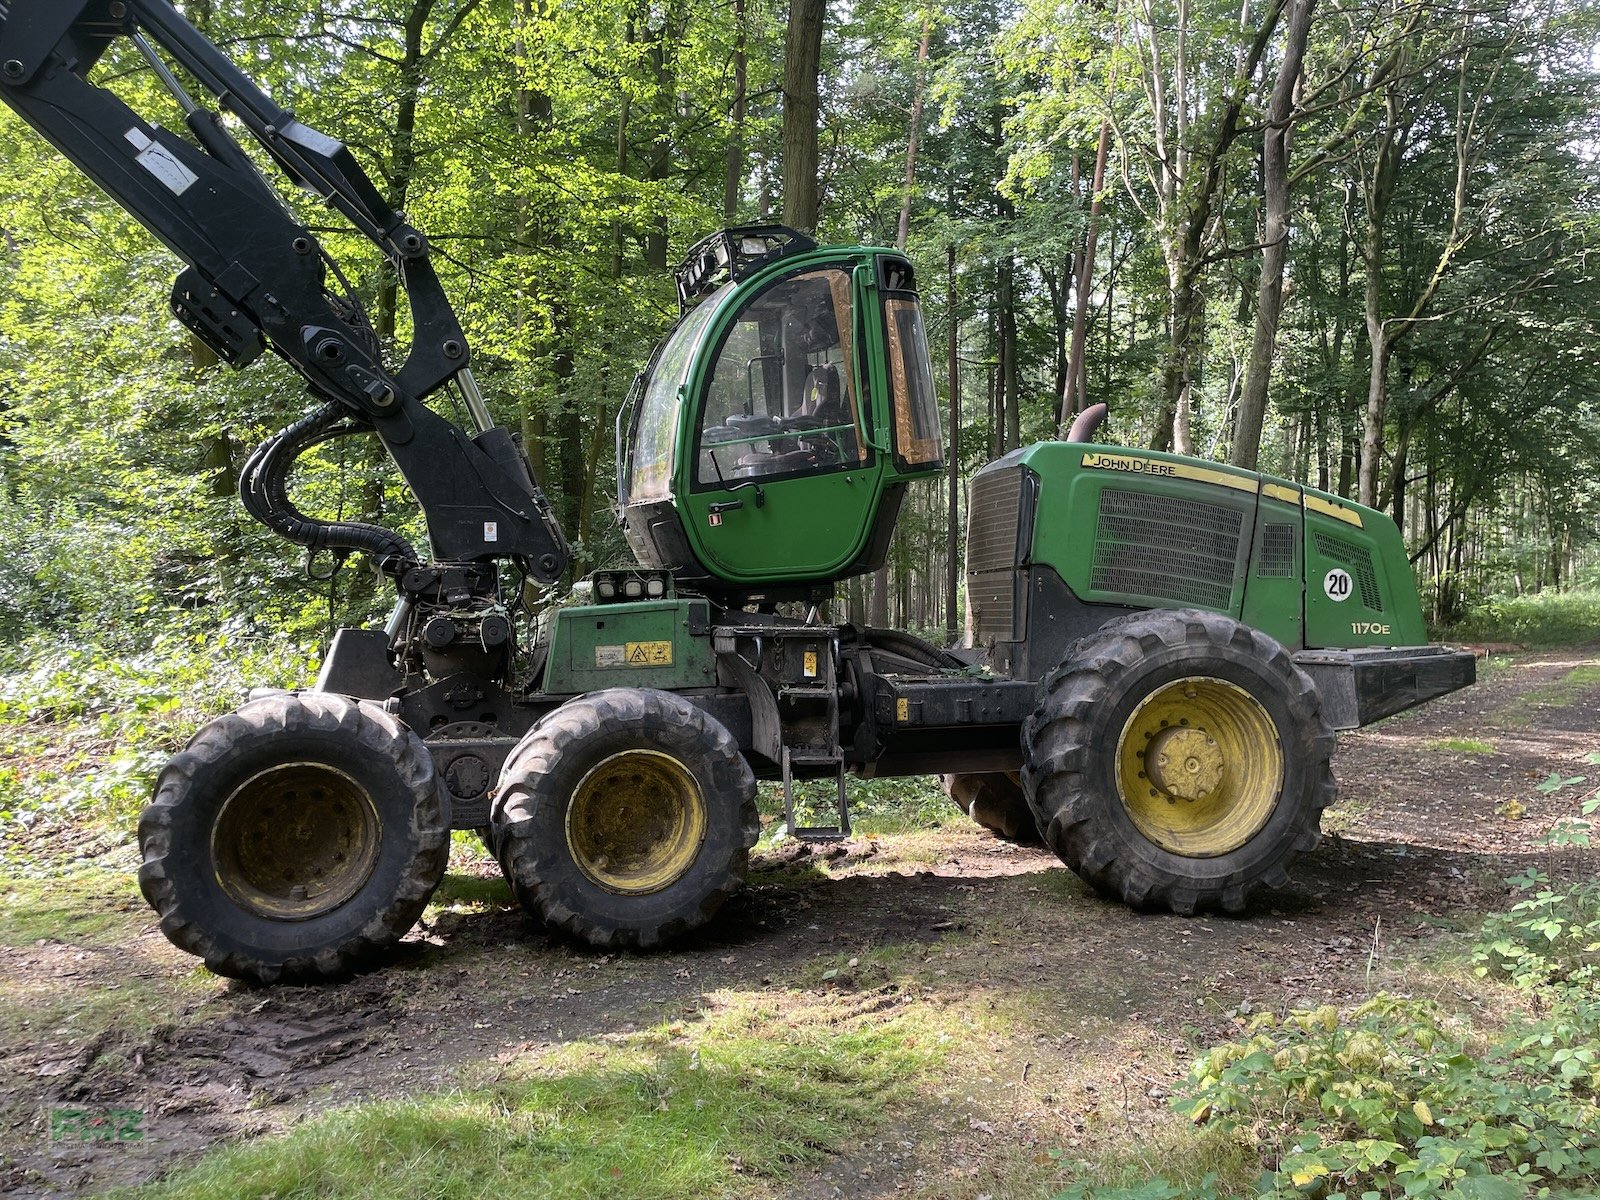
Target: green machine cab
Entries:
(780, 420)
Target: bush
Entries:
(1399, 1098)
(88, 730)
(1541, 619)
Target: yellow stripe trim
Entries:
(1278, 492)
(1160, 468)
(1329, 509)
(1207, 475)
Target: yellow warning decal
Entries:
(649, 654)
(1329, 509)
(811, 664)
(902, 709)
(1133, 465)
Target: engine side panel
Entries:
(1134, 529)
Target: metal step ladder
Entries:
(808, 707)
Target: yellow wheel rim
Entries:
(295, 841)
(1199, 767)
(636, 822)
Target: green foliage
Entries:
(894, 805)
(1541, 619)
(561, 157)
(1549, 941)
(88, 730)
(1399, 1098)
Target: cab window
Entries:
(656, 423)
(916, 405)
(781, 397)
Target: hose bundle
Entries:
(264, 489)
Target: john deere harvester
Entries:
(1161, 647)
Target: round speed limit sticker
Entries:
(1336, 583)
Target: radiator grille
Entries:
(994, 513)
(1185, 551)
(1277, 552)
(1358, 561)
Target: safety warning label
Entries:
(634, 654)
(649, 654)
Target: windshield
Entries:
(782, 392)
(656, 425)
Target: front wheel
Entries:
(295, 839)
(625, 818)
(1179, 760)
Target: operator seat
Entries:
(824, 406)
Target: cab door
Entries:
(781, 480)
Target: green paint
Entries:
(1274, 602)
(1389, 614)
(796, 529)
(1154, 530)
(647, 643)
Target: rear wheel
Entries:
(1179, 760)
(294, 839)
(625, 818)
(996, 801)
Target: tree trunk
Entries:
(733, 181)
(1010, 402)
(802, 61)
(952, 569)
(903, 229)
(1072, 394)
(1275, 238)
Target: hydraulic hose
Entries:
(264, 490)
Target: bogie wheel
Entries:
(294, 839)
(1179, 760)
(625, 818)
(996, 801)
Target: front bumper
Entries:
(1358, 687)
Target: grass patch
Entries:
(1542, 620)
(756, 1089)
(88, 908)
(471, 893)
(141, 997)
(1563, 693)
(1205, 1163)
(877, 806)
(124, 976)
(1462, 746)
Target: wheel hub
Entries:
(1185, 763)
(295, 841)
(636, 822)
(1199, 767)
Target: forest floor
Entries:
(1080, 1017)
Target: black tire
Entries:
(267, 887)
(996, 801)
(1238, 797)
(625, 818)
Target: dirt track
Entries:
(1422, 839)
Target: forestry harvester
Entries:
(1161, 647)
